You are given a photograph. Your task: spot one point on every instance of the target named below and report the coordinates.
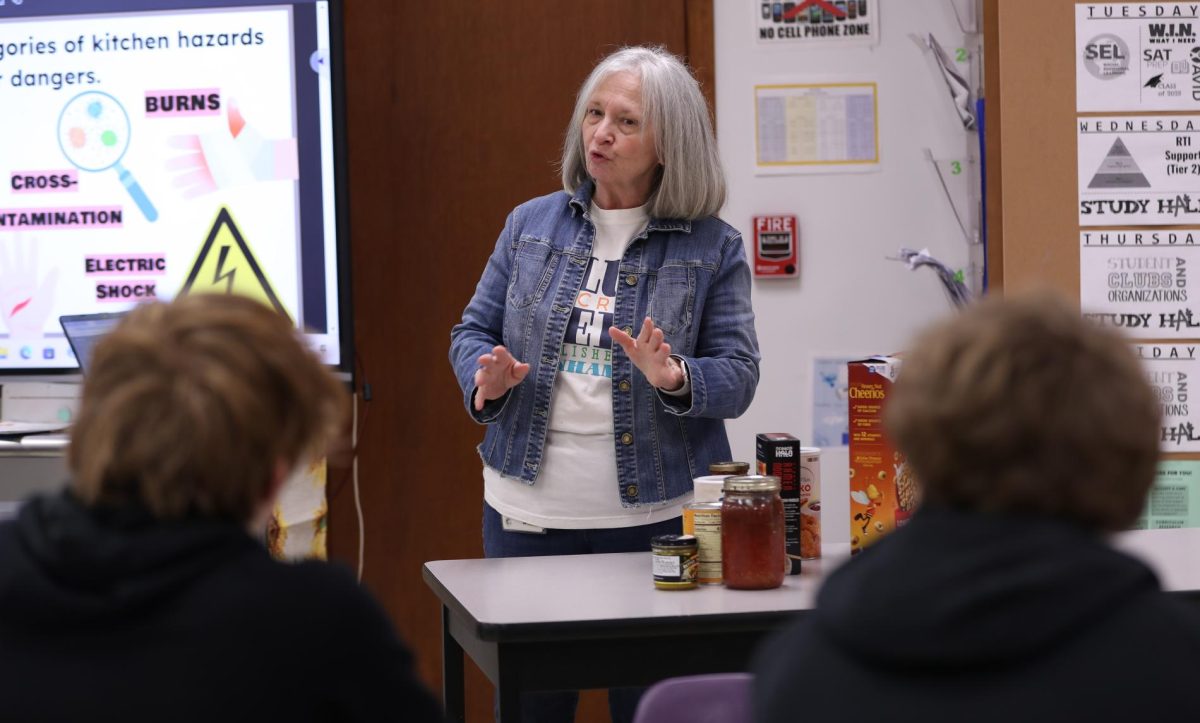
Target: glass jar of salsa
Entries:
(752, 533)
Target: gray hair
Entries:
(690, 183)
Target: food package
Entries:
(778, 454)
(883, 492)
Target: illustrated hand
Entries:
(233, 156)
(498, 372)
(651, 355)
(24, 303)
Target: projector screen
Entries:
(151, 148)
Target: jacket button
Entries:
(628, 330)
(631, 491)
(631, 280)
(627, 438)
(624, 385)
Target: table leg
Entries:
(453, 686)
(508, 691)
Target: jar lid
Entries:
(728, 468)
(708, 488)
(753, 483)
(673, 540)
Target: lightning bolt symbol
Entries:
(219, 276)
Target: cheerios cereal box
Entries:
(882, 491)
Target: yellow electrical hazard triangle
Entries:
(225, 265)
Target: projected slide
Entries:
(148, 154)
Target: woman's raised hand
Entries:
(498, 372)
(651, 355)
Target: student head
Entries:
(201, 406)
(1019, 406)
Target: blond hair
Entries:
(1019, 406)
(191, 406)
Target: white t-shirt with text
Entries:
(577, 487)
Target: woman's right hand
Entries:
(498, 372)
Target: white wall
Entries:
(849, 299)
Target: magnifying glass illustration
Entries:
(93, 133)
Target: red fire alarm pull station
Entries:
(775, 245)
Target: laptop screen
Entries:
(84, 330)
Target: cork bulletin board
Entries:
(1042, 165)
(1029, 86)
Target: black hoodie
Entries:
(111, 615)
(968, 617)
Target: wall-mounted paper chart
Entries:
(816, 128)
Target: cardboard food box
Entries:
(883, 493)
(779, 455)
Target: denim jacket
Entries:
(691, 278)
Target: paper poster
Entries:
(830, 412)
(1137, 56)
(1174, 500)
(816, 128)
(818, 22)
(1139, 170)
(1172, 369)
(1144, 282)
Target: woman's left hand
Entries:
(651, 355)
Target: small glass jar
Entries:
(753, 555)
(729, 468)
(675, 561)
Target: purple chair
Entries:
(721, 698)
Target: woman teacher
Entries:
(591, 446)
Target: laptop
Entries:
(84, 330)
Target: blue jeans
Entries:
(559, 706)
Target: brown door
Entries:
(456, 112)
